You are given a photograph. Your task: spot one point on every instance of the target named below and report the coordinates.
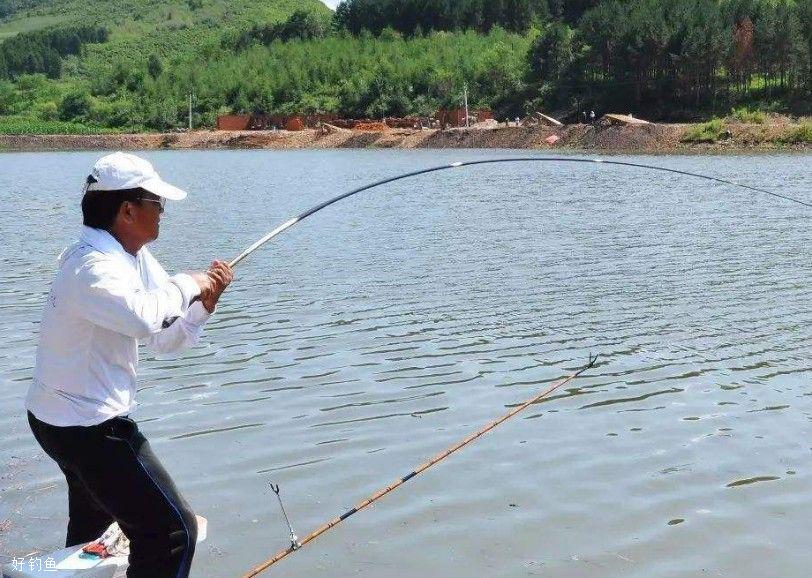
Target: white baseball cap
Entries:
(119, 171)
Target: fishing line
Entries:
(290, 222)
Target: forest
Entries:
(43, 50)
(670, 60)
(412, 17)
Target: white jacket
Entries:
(102, 302)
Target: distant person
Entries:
(591, 117)
(517, 121)
(108, 295)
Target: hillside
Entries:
(137, 18)
(140, 28)
(78, 66)
(108, 84)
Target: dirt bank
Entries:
(652, 138)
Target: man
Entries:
(110, 293)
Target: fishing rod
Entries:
(290, 222)
(296, 544)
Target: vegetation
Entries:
(747, 115)
(354, 76)
(708, 132)
(669, 59)
(301, 25)
(15, 126)
(412, 17)
(798, 135)
(134, 66)
(8, 7)
(43, 50)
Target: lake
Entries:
(389, 326)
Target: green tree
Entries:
(602, 29)
(644, 42)
(75, 106)
(154, 66)
(42, 50)
(804, 11)
(409, 16)
(790, 47)
(47, 110)
(551, 53)
(8, 97)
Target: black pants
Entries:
(113, 475)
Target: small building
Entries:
(259, 121)
(404, 122)
(455, 117)
(233, 122)
(294, 123)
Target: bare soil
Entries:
(652, 138)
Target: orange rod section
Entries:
(442, 455)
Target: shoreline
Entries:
(649, 138)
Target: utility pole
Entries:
(465, 101)
(190, 111)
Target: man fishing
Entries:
(108, 295)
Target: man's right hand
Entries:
(204, 282)
(220, 274)
(212, 283)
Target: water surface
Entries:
(391, 325)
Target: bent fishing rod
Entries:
(290, 222)
(296, 543)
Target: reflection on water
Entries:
(390, 326)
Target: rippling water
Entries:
(387, 327)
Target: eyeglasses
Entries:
(160, 202)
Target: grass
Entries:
(715, 130)
(708, 132)
(11, 125)
(746, 115)
(797, 135)
(121, 14)
(11, 28)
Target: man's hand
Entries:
(219, 275)
(203, 281)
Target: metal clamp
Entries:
(294, 540)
